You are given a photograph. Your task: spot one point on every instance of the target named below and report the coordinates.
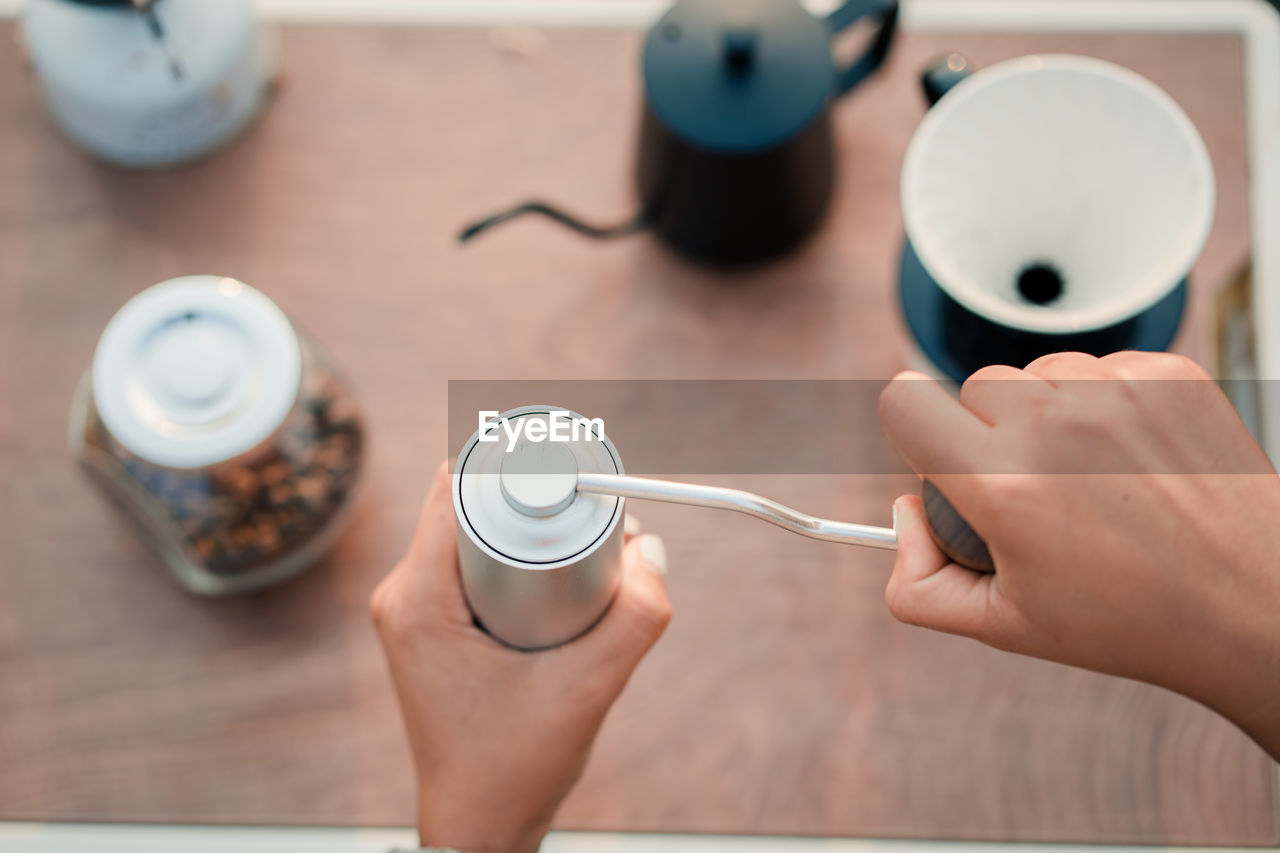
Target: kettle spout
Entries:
(598, 232)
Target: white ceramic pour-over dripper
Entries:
(1068, 162)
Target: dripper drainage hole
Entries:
(1040, 284)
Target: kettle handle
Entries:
(942, 75)
(847, 14)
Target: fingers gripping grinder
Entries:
(540, 524)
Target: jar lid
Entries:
(196, 370)
(489, 498)
(738, 75)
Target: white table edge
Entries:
(123, 838)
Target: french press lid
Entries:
(738, 75)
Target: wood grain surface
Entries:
(784, 699)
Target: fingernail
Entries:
(895, 516)
(631, 526)
(654, 554)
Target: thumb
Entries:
(929, 590)
(639, 613)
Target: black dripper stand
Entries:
(958, 342)
(956, 339)
(736, 160)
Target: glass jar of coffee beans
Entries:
(226, 433)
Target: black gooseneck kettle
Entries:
(736, 159)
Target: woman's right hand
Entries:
(1133, 520)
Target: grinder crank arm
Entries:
(951, 532)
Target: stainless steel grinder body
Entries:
(536, 579)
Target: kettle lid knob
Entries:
(739, 48)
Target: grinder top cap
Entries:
(538, 479)
(520, 502)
